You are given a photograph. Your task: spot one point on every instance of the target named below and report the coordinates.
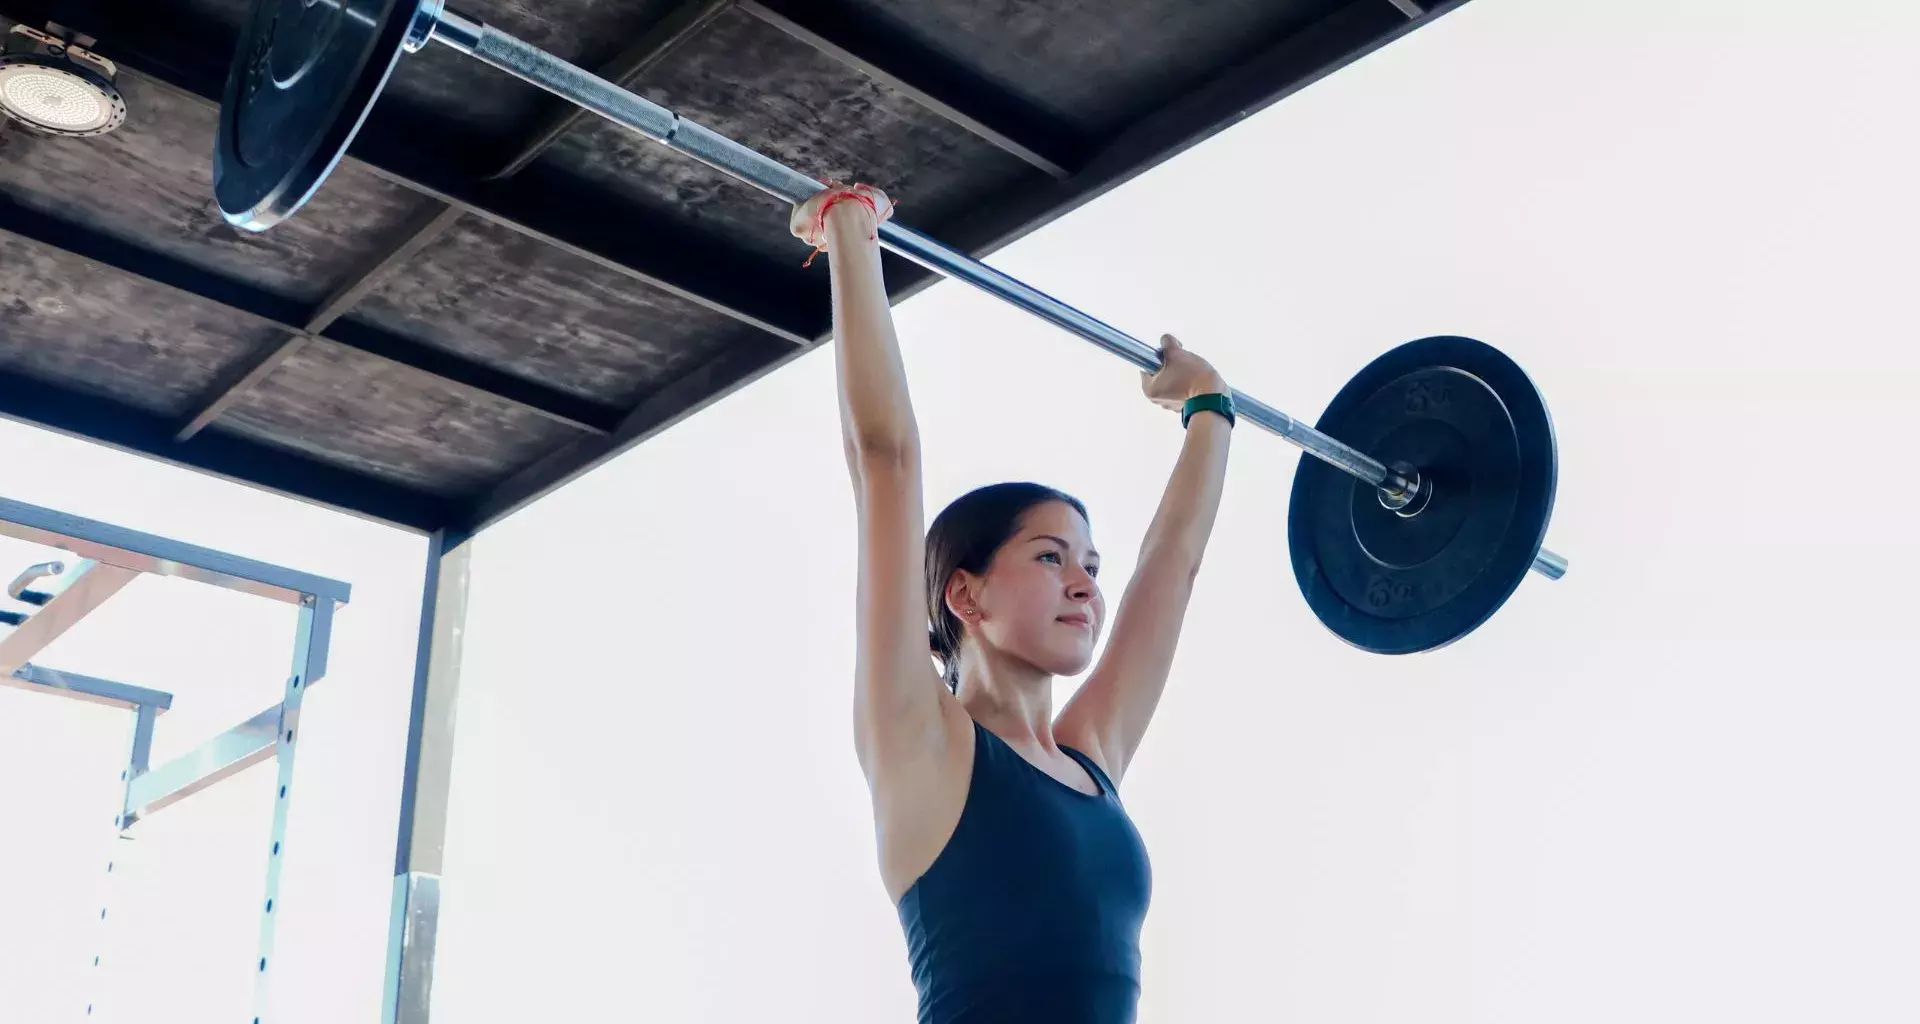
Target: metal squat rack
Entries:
(48, 598)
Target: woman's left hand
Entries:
(1181, 376)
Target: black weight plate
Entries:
(303, 77)
(1469, 419)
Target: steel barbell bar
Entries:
(433, 22)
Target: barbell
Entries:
(1405, 549)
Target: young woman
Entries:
(1019, 880)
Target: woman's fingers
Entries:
(1181, 375)
(809, 220)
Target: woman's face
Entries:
(1039, 601)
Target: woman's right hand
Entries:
(1181, 376)
(838, 208)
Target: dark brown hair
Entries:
(965, 535)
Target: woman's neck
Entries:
(1014, 701)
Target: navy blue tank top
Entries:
(1032, 911)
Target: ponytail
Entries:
(949, 661)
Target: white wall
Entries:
(1673, 786)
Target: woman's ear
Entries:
(961, 594)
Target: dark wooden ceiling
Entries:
(493, 292)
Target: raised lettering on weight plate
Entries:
(262, 52)
(1385, 591)
(1424, 394)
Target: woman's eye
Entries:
(1054, 555)
(1093, 570)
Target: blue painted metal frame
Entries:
(87, 688)
(415, 908)
(271, 734)
(146, 552)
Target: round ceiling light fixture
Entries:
(60, 90)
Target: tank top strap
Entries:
(992, 757)
(1107, 788)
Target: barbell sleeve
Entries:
(591, 92)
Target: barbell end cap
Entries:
(420, 31)
(1550, 565)
(434, 21)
